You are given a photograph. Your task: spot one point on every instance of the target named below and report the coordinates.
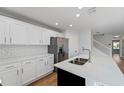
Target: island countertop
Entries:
(102, 69)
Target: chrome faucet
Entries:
(89, 53)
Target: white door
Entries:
(34, 35)
(41, 67)
(18, 33)
(46, 37)
(9, 77)
(3, 30)
(50, 63)
(28, 71)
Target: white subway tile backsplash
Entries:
(9, 51)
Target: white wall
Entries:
(84, 39)
(77, 40)
(73, 37)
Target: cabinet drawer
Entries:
(8, 67)
(28, 62)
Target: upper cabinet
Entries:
(3, 30)
(55, 34)
(34, 35)
(12, 32)
(18, 33)
(38, 35)
(46, 37)
(15, 32)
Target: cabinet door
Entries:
(28, 72)
(17, 33)
(52, 33)
(46, 37)
(3, 30)
(34, 35)
(9, 77)
(50, 63)
(56, 34)
(41, 67)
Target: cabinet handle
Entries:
(10, 67)
(17, 72)
(5, 40)
(46, 63)
(39, 41)
(10, 40)
(22, 70)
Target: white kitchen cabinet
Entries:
(38, 35)
(18, 34)
(25, 72)
(50, 63)
(58, 34)
(55, 34)
(45, 37)
(28, 71)
(52, 33)
(45, 65)
(34, 35)
(12, 31)
(9, 76)
(3, 31)
(41, 67)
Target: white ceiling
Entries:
(106, 20)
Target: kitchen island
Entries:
(102, 70)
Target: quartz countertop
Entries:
(101, 69)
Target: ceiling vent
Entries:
(91, 10)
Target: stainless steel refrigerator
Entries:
(59, 47)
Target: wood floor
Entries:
(119, 61)
(50, 80)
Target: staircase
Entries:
(102, 47)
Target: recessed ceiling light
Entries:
(70, 25)
(117, 36)
(57, 23)
(77, 15)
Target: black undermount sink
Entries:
(79, 61)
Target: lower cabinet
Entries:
(25, 72)
(45, 65)
(68, 79)
(28, 71)
(41, 67)
(50, 63)
(9, 76)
